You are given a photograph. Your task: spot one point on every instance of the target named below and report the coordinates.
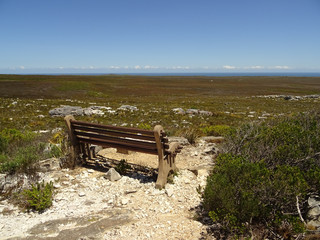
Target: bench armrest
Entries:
(174, 148)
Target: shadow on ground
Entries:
(87, 227)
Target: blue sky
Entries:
(104, 36)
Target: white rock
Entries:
(81, 194)
(169, 191)
(124, 201)
(112, 175)
(187, 181)
(314, 212)
(314, 223)
(313, 202)
(194, 153)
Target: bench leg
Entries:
(73, 158)
(75, 149)
(165, 166)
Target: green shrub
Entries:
(279, 142)
(240, 192)
(23, 160)
(191, 134)
(14, 135)
(3, 144)
(55, 151)
(39, 197)
(122, 167)
(146, 126)
(19, 151)
(262, 171)
(217, 130)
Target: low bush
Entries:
(19, 151)
(191, 134)
(239, 192)
(217, 130)
(264, 169)
(288, 141)
(39, 197)
(122, 167)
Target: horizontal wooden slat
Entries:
(165, 140)
(166, 146)
(135, 143)
(109, 127)
(114, 145)
(114, 133)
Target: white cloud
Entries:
(178, 67)
(229, 67)
(114, 67)
(22, 67)
(150, 67)
(281, 67)
(255, 67)
(137, 67)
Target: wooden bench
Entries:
(83, 134)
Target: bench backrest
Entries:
(133, 139)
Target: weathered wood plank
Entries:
(136, 143)
(115, 145)
(110, 127)
(114, 133)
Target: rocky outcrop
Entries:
(290, 97)
(181, 140)
(76, 111)
(313, 216)
(65, 110)
(191, 112)
(128, 108)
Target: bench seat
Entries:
(83, 134)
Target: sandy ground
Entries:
(88, 206)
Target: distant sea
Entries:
(233, 74)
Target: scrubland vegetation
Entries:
(264, 176)
(269, 163)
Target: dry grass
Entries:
(156, 86)
(228, 98)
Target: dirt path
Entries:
(88, 206)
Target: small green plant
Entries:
(217, 130)
(122, 167)
(3, 143)
(171, 176)
(191, 134)
(39, 197)
(144, 126)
